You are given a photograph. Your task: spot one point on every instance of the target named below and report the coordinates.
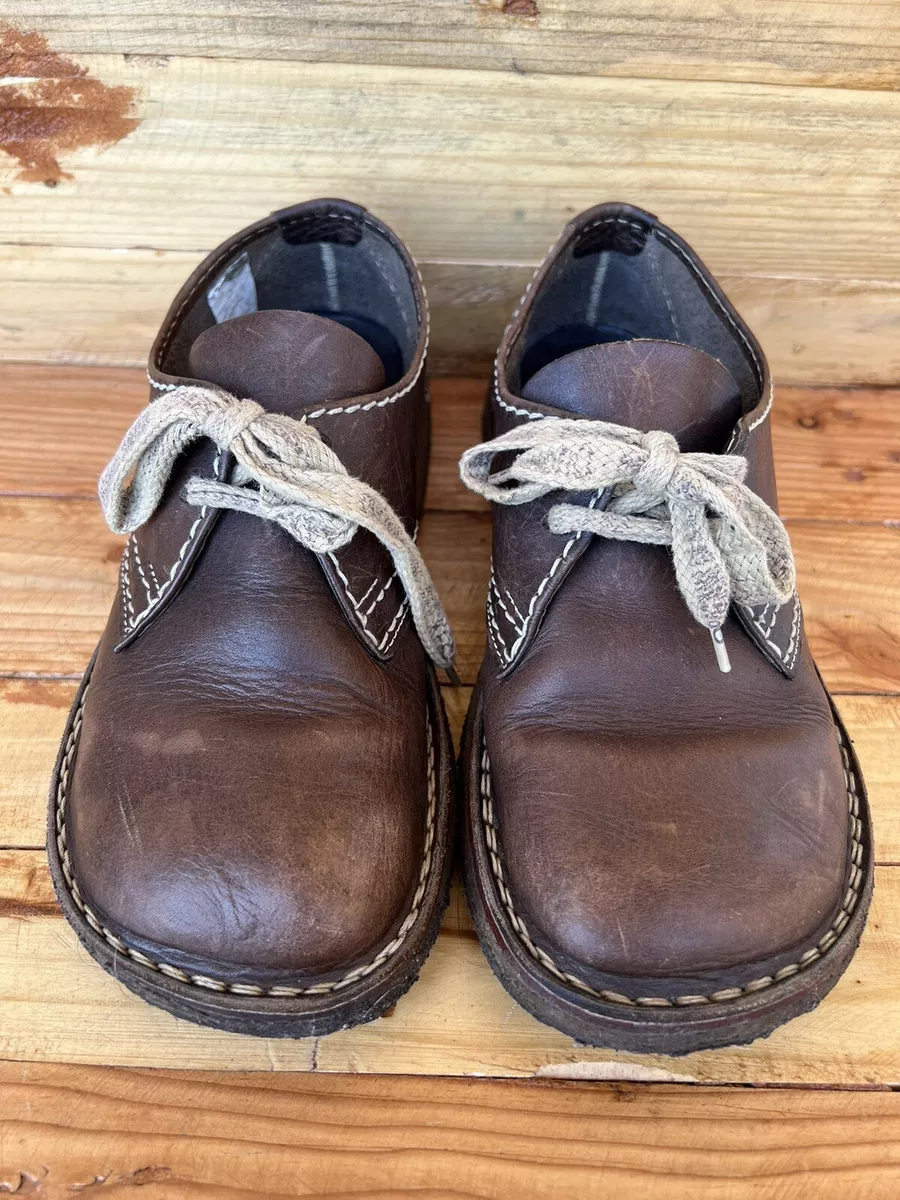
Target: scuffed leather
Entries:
(250, 788)
(657, 818)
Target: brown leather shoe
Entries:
(668, 842)
(250, 813)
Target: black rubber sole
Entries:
(314, 1015)
(637, 1025)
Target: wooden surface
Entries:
(815, 42)
(832, 331)
(766, 134)
(186, 1133)
(839, 476)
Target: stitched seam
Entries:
(127, 602)
(793, 646)
(379, 644)
(167, 583)
(512, 601)
(140, 566)
(502, 604)
(848, 905)
(494, 629)
(560, 559)
(631, 224)
(218, 985)
(664, 237)
(384, 645)
(319, 412)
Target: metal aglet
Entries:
(718, 641)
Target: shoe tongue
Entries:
(645, 385)
(286, 360)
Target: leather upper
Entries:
(657, 817)
(251, 786)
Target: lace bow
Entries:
(727, 544)
(303, 487)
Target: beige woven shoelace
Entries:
(727, 544)
(303, 487)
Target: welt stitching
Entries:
(218, 985)
(848, 905)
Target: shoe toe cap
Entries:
(626, 858)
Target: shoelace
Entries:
(727, 544)
(303, 487)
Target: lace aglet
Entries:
(452, 676)
(718, 641)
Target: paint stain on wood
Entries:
(51, 105)
(521, 8)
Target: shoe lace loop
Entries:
(727, 544)
(300, 484)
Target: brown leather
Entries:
(250, 791)
(682, 829)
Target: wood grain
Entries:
(846, 44)
(86, 305)
(484, 166)
(837, 450)
(837, 453)
(58, 566)
(57, 1005)
(213, 1134)
(33, 713)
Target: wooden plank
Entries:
(188, 1133)
(59, 428)
(58, 565)
(79, 305)
(32, 717)
(57, 1005)
(837, 451)
(846, 44)
(33, 714)
(484, 166)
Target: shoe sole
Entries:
(617, 1016)
(325, 1005)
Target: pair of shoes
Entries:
(667, 842)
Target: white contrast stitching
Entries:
(363, 616)
(496, 636)
(502, 604)
(520, 412)
(794, 640)
(848, 905)
(167, 583)
(140, 566)
(560, 559)
(218, 985)
(384, 645)
(127, 601)
(760, 374)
